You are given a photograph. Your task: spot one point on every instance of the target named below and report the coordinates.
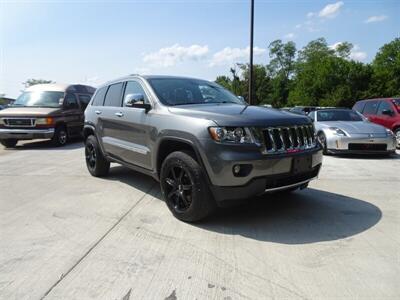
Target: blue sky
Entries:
(95, 41)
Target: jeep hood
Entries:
(240, 115)
(29, 111)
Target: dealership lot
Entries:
(67, 235)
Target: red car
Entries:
(385, 111)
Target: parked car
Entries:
(384, 111)
(201, 142)
(302, 110)
(45, 111)
(347, 131)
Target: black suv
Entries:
(204, 144)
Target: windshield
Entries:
(42, 99)
(338, 115)
(181, 91)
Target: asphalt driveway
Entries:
(67, 235)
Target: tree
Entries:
(326, 77)
(280, 69)
(33, 81)
(386, 68)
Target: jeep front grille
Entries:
(286, 139)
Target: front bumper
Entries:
(264, 172)
(26, 134)
(361, 144)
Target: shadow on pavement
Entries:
(368, 156)
(302, 217)
(46, 145)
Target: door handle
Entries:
(98, 112)
(119, 114)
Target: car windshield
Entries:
(181, 91)
(40, 99)
(338, 115)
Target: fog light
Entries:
(236, 169)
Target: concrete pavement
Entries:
(67, 235)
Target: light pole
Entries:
(251, 52)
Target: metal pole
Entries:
(251, 52)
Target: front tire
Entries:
(185, 189)
(60, 137)
(96, 163)
(9, 143)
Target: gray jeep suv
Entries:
(202, 143)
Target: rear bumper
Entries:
(26, 134)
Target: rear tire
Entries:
(397, 135)
(60, 137)
(185, 188)
(9, 143)
(96, 163)
(322, 139)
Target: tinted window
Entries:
(114, 95)
(84, 100)
(370, 107)
(98, 99)
(338, 115)
(133, 87)
(182, 91)
(384, 106)
(359, 106)
(70, 101)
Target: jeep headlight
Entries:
(236, 135)
(1, 121)
(338, 131)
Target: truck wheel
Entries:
(96, 163)
(60, 137)
(9, 143)
(185, 189)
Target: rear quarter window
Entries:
(359, 106)
(98, 99)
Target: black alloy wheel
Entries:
(179, 188)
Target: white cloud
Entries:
(310, 15)
(230, 55)
(170, 56)
(289, 36)
(355, 54)
(298, 26)
(374, 19)
(331, 10)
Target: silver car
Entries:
(347, 131)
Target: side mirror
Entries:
(387, 112)
(241, 98)
(137, 101)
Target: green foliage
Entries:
(319, 75)
(33, 81)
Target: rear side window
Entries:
(371, 107)
(359, 106)
(98, 99)
(114, 95)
